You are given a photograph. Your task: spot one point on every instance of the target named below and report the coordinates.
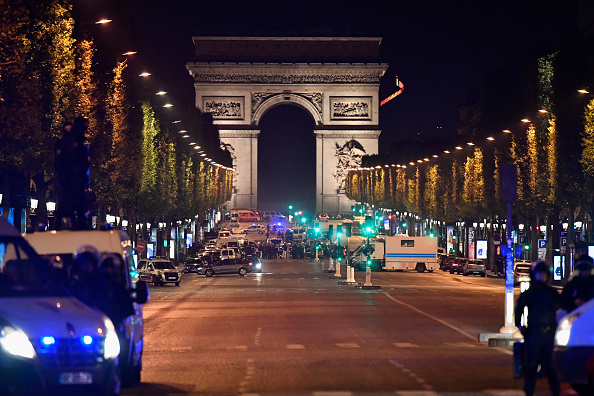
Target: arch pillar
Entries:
(337, 151)
(243, 146)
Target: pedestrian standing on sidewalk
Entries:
(542, 302)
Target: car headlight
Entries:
(15, 342)
(111, 348)
(258, 265)
(564, 330)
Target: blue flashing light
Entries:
(87, 340)
(48, 340)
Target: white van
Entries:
(50, 342)
(59, 246)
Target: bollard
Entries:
(348, 273)
(337, 273)
(331, 264)
(353, 274)
(367, 277)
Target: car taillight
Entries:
(484, 267)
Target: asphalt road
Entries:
(294, 330)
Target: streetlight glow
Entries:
(435, 155)
(446, 151)
(186, 136)
(103, 21)
(470, 144)
(506, 131)
(458, 148)
(167, 105)
(525, 120)
(583, 91)
(491, 138)
(161, 93)
(411, 163)
(543, 111)
(144, 74)
(183, 131)
(129, 53)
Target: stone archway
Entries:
(339, 92)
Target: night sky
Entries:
(440, 50)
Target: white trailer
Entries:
(404, 252)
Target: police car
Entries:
(50, 342)
(158, 271)
(573, 355)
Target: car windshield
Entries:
(163, 265)
(23, 273)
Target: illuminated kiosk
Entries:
(335, 79)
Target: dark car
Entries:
(239, 266)
(192, 264)
(457, 265)
(256, 264)
(445, 262)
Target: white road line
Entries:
(414, 376)
(295, 346)
(250, 371)
(443, 322)
(460, 344)
(332, 393)
(348, 345)
(257, 336)
(237, 348)
(405, 345)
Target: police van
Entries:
(58, 247)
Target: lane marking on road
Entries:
(414, 376)
(294, 346)
(249, 374)
(237, 348)
(419, 393)
(181, 349)
(443, 322)
(332, 393)
(460, 344)
(257, 336)
(348, 345)
(405, 345)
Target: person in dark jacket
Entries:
(580, 288)
(542, 302)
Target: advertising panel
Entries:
(450, 233)
(481, 249)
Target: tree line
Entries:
(140, 168)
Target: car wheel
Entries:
(464, 273)
(452, 272)
(421, 267)
(242, 271)
(208, 273)
(483, 275)
(176, 283)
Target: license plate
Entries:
(171, 278)
(76, 378)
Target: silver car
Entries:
(474, 267)
(158, 272)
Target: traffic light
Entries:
(303, 219)
(353, 208)
(368, 262)
(368, 230)
(454, 237)
(317, 230)
(526, 247)
(290, 207)
(390, 216)
(403, 224)
(432, 234)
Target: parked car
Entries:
(50, 341)
(574, 349)
(158, 271)
(234, 224)
(522, 272)
(474, 267)
(323, 217)
(227, 266)
(259, 228)
(446, 262)
(457, 264)
(192, 264)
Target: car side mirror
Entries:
(141, 293)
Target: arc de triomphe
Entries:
(335, 79)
